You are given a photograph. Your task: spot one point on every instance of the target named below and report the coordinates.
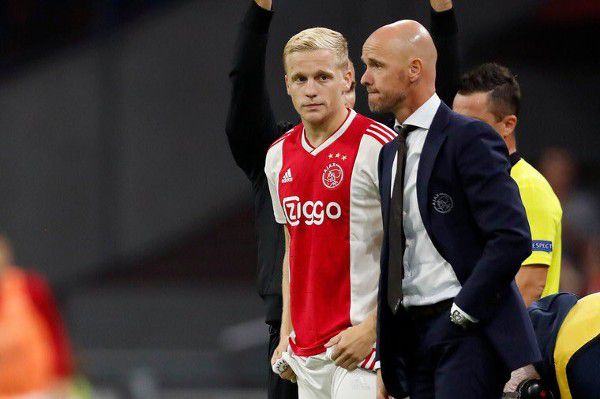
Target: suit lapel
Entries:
(435, 138)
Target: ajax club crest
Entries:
(333, 175)
(442, 203)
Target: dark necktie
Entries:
(396, 238)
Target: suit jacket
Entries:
(473, 214)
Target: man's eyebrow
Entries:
(323, 72)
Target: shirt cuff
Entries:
(463, 313)
(258, 19)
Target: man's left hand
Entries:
(353, 345)
(519, 375)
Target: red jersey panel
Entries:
(329, 199)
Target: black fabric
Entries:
(449, 362)
(396, 228)
(444, 31)
(278, 388)
(251, 129)
(514, 158)
(583, 371)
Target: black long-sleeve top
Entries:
(252, 128)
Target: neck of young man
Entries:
(318, 133)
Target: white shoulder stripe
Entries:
(383, 137)
(384, 128)
(385, 133)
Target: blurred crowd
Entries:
(580, 273)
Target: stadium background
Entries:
(119, 187)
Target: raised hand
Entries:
(266, 4)
(441, 5)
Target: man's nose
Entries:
(365, 79)
(311, 89)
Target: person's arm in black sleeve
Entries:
(444, 31)
(251, 126)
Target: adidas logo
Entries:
(287, 176)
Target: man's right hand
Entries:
(381, 391)
(441, 5)
(266, 4)
(282, 347)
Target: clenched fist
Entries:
(441, 5)
(266, 4)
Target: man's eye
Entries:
(324, 77)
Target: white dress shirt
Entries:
(428, 277)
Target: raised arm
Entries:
(251, 126)
(444, 31)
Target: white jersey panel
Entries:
(273, 164)
(366, 230)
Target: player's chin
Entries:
(314, 116)
(375, 105)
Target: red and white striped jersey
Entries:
(329, 198)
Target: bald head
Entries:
(408, 39)
(405, 49)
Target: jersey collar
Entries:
(336, 135)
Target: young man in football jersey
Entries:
(252, 127)
(322, 177)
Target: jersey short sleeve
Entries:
(273, 165)
(544, 222)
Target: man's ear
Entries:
(415, 68)
(287, 84)
(348, 78)
(509, 124)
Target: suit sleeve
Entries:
(495, 204)
(444, 31)
(251, 125)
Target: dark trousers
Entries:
(446, 361)
(278, 388)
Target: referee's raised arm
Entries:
(251, 126)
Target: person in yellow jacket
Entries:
(568, 335)
(492, 94)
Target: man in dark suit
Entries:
(251, 128)
(451, 321)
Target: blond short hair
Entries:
(319, 39)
